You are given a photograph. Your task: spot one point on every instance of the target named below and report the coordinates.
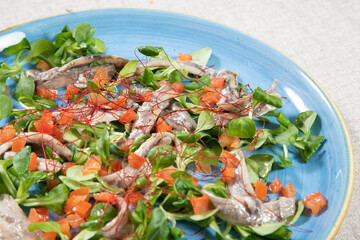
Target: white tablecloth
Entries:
(322, 36)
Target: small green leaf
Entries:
(243, 127)
(15, 49)
(205, 121)
(48, 227)
(202, 55)
(129, 69)
(148, 79)
(289, 136)
(158, 227)
(83, 32)
(259, 166)
(97, 45)
(161, 157)
(174, 77)
(305, 120)
(25, 87)
(262, 96)
(6, 106)
(21, 161)
(150, 50)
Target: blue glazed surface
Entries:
(257, 64)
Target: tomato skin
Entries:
(228, 174)
(146, 97)
(44, 66)
(46, 93)
(209, 97)
(98, 99)
(45, 124)
(128, 117)
(93, 164)
(18, 144)
(82, 208)
(33, 162)
(120, 102)
(39, 214)
(65, 227)
(105, 197)
(276, 186)
(230, 142)
(260, 189)
(101, 77)
(315, 201)
(49, 236)
(184, 57)
(229, 159)
(162, 126)
(135, 160)
(65, 117)
(74, 220)
(177, 87)
(217, 82)
(200, 204)
(70, 90)
(7, 133)
(166, 174)
(289, 190)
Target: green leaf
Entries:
(83, 32)
(161, 157)
(25, 87)
(199, 84)
(6, 106)
(135, 146)
(175, 76)
(268, 228)
(204, 215)
(259, 166)
(97, 45)
(289, 136)
(74, 173)
(283, 120)
(150, 50)
(85, 234)
(243, 127)
(158, 227)
(101, 214)
(262, 96)
(312, 144)
(21, 161)
(48, 227)
(54, 200)
(284, 160)
(202, 55)
(73, 184)
(39, 48)
(148, 79)
(217, 188)
(205, 121)
(305, 120)
(129, 69)
(17, 48)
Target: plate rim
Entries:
(351, 179)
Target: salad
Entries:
(110, 148)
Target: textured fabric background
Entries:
(322, 36)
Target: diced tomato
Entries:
(260, 189)
(134, 198)
(67, 165)
(46, 93)
(120, 102)
(70, 90)
(98, 99)
(7, 133)
(203, 167)
(51, 183)
(40, 214)
(45, 124)
(217, 82)
(315, 201)
(74, 220)
(93, 164)
(128, 117)
(276, 186)
(49, 236)
(200, 204)
(146, 97)
(58, 134)
(177, 87)
(229, 159)
(116, 165)
(66, 117)
(166, 174)
(33, 162)
(195, 181)
(82, 208)
(162, 126)
(231, 142)
(101, 77)
(65, 227)
(105, 197)
(289, 190)
(84, 191)
(42, 65)
(135, 160)
(103, 172)
(18, 144)
(228, 174)
(125, 146)
(184, 57)
(209, 98)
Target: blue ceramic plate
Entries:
(330, 171)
